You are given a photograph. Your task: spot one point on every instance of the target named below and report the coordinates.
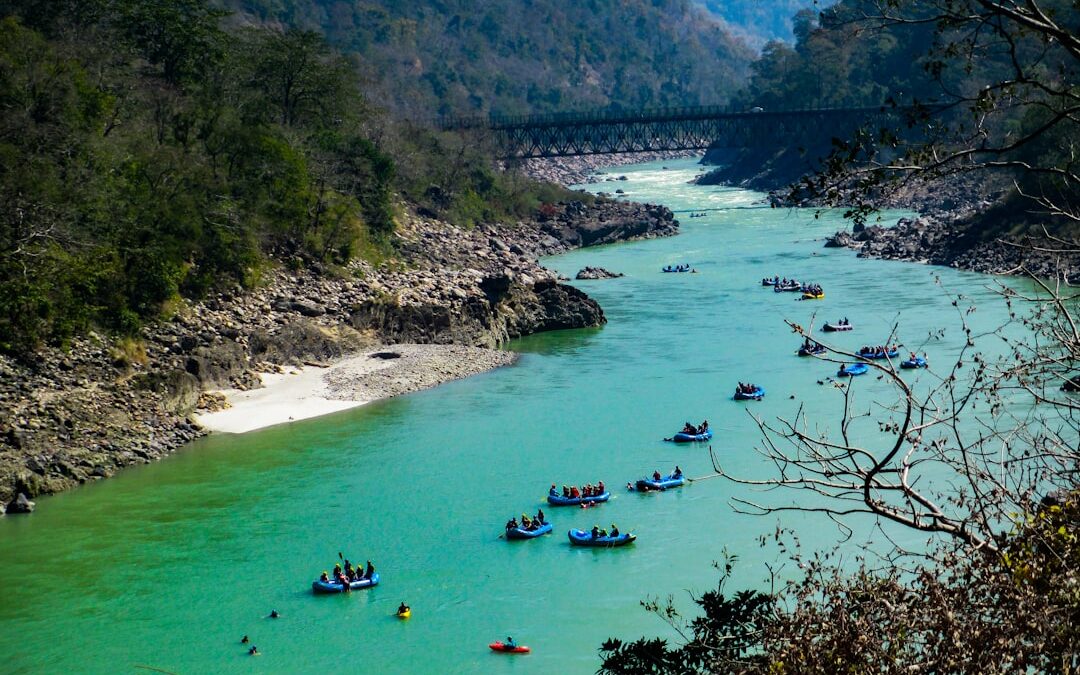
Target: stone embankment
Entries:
(963, 221)
(70, 416)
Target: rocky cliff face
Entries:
(605, 222)
(966, 221)
(68, 417)
(942, 242)
(509, 310)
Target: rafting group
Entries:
(598, 532)
(658, 482)
(878, 352)
(787, 286)
(746, 390)
(698, 214)
(575, 492)
(812, 292)
(677, 473)
(527, 524)
(689, 428)
(346, 578)
(811, 348)
(679, 268)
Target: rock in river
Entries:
(597, 273)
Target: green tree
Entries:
(182, 37)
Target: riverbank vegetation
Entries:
(150, 154)
(1009, 612)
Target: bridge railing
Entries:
(496, 122)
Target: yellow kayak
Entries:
(405, 615)
(811, 296)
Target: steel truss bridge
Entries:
(692, 128)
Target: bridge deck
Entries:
(677, 128)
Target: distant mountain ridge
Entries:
(514, 56)
(762, 20)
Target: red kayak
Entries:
(500, 647)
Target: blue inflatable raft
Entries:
(583, 538)
(647, 484)
(559, 500)
(749, 396)
(331, 587)
(518, 533)
(878, 355)
(691, 438)
(853, 370)
(917, 362)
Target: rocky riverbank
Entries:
(583, 169)
(70, 416)
(971, 222)
(938, 241)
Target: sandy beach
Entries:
(302, 393)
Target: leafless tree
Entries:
(960, 449)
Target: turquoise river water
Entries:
(166, 566)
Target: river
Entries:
(168, 565)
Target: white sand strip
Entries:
(303, 393)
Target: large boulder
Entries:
(467, 321)
(508, 310)
(21, 504)
(840, 240)
(607, 222)
(219, 366)
(179, 389)
(560, 307)
(304, 340)
(307, 307)
(590, 273)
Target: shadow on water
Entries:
(555, 343)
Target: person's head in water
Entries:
(244, 640)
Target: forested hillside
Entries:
(515, 56)
(837, 62)
(1010, 89)
(148, 155)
